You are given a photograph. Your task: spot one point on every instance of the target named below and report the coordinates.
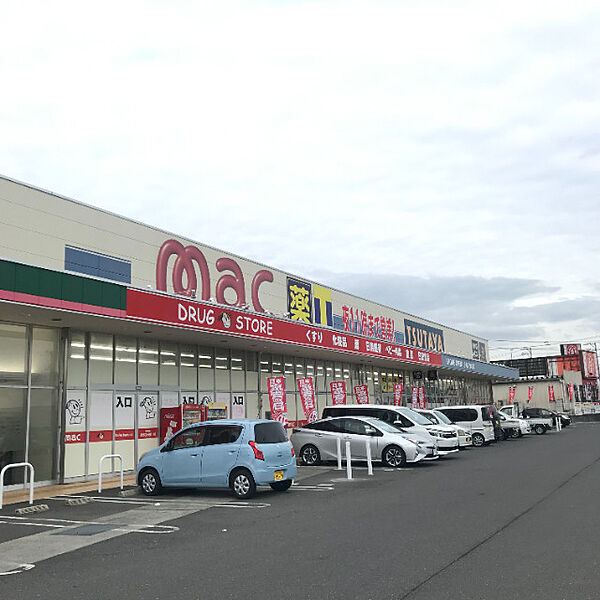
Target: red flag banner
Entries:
(276, 387)
(421, 397)
(511, 394)
(530, 393)
(307, 395)
(362, 394)
(415, 397)
(551, 397)
(571, 390)
(398, 394)
(338, 392)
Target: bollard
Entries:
(338, 443)
(557, 424)
(369, 461)
(348, 461)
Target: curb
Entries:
(78, 501)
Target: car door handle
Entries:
(232, 452)
(318, 435)
(194, 454)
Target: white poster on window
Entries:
(169, 399)
(75, 417)
(206, 398)
(238, 406)
(101, 416)
(124, 416)
(147, 416)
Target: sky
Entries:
(442, 158)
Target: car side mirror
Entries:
(167, 448)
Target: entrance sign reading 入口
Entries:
(238, 406)
(362, 394)
(307, 395)
(157, 308)
(338, 392)
(276, 388)
(398, 393)
(124, 417)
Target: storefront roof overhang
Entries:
(131, 324)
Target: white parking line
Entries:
(158, 502)
(13, 568)
(63, 523)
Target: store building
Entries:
(104, 322)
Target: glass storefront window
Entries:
(13, 419)
(148, 363)
(13, 354)
(189, 367)
(101, 358)
(238, 366)
(43, 425)
(77, 360)
(251, 371)
(125, 360)
(222, 370)
(169, 364)
(206, 372)
(44, 356)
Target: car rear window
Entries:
(269, 433)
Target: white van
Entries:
(476, 418)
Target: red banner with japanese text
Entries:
(571, 390)
(551, 397)
(362, 394)
(530, 393)
(421, 397)
(338, 392)
(398, 394)
(276, 388)
(307, 395)
(511, 394)
(415, 396)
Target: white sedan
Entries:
(439, 418)
(316, 442)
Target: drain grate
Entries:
(86, 530)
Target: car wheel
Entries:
(394, 457)
(515, 433)
(242, 484)
(539, 429)
(478, 440)
(281, 486)
(310, 456)
(150, 482)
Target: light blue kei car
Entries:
(238, 454)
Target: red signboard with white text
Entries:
(422, 397)
(530, 393)
(338, 392)
(276, 388)
(307, 395)
(362, 394)
(571, 390)
(551, 397)
(398, 394)
(511, 394)
(156, 308)
(415, 397)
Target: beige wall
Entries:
(36, 226)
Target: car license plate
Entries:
(278, 475)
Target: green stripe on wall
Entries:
(25, 279)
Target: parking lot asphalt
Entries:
(518, 518)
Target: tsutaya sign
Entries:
(157, 308)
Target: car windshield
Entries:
(442, 417)
(415, 416)
(430, 418)
(383, 426)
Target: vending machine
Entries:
(174, 418)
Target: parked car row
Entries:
(245, 453)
